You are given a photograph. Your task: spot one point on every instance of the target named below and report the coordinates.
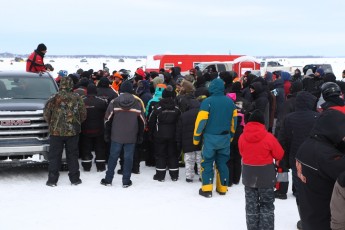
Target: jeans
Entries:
(115, 150)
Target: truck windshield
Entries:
(22, 88)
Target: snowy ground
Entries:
(27, 203)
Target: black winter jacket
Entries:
(185, 128)
(321, 164)
(163, 119)
(297, 125)
(94, 123)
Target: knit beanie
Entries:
(140, 72)
(168, 92)
(257, 116)
(320, 71)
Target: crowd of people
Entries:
(220, 125)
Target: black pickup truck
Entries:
(24, 134)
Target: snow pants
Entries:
(166, 156)
(57, 145)
(87, 144)
(216, 149)
(190, 159)
(259, 208)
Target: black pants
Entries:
(87, 144)
(166, 155)
(234, 165)
(57, 144)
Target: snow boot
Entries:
(105, 183)
(207, 194)
(127, 185)
(77, 182)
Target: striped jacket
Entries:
(125, 119)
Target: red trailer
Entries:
(187, 62)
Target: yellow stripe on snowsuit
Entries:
(200, 124)
(207, 188)
(233, 123)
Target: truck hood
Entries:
(22, 104)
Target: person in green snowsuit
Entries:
(216, 122)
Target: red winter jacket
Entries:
(257, 146)
(35, 63)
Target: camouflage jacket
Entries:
(64, 112)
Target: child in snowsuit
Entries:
(258, 148)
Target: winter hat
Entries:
(187, 86)
(63, 73)
(91, 89)
(103, 82)
(320, 71)
(41, 47)
(309, 72)
(257, 116)
(126, 87)
(118, 75)
(140, 72)
(157, 81)
(168, 92)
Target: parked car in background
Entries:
(326, 67)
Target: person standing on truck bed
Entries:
(35, 62)
(64, 112)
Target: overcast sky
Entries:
(146, 27)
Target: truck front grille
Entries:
(23, 124)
